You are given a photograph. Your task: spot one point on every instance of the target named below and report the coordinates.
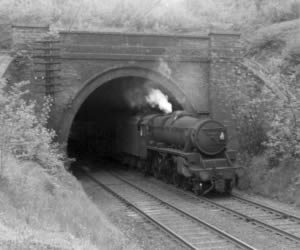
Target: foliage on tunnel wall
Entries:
(266, 114)
(23, 131)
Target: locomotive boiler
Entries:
(188, 150)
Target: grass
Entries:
(282, 34)
(51, 209)
(163, 15)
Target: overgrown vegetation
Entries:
(161, 15)
(267, 113)
(41, 201)
(23, 133)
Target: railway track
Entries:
(282, 224)
(185, 228)
(277, 221)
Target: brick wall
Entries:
(198, 65)
(22, 68)
(225, 57)
(23, 37)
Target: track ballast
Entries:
(182, 226)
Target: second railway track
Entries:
(184, 227)
(283, 225)
(278, 222)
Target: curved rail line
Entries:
(286, 224)
(185, 228)
(283, 224)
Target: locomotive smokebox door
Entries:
(210, 137)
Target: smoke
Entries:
(136, 97)
(144, 98)
(157, 99)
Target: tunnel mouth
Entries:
(93, 131)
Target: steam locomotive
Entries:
(188, 150)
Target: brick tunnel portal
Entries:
(93, 130)
(96, 69)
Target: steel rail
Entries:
(246, 217)
(135, 208)
(283, 214)
(221, 233)
(253, 220)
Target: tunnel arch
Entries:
(167, 84)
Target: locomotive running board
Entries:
(172, 151)
(197, 169)
(200, 163)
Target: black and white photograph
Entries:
(149, 124)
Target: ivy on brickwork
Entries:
(284, 114)
(266, 113)
(23, 131)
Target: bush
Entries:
(276, 13)
(43, 203)
(23, 132)
(283, 115)
(282, 182)
(266, 115)
(243, 99)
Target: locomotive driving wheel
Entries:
(177, 179)
(156, 167)
(167, 171)
(187, 184)
(228, 187)
(146, 169)
(166, 176)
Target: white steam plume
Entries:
(157, 99)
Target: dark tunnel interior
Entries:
(93, 130)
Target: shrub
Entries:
(281, 182)
(284, 132)
(267, 115)
(32, 198)
(243, 99)
(23, 132)
(280, 13)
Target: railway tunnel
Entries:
(93, 130)
(185, 67)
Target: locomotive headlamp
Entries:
(222, 136)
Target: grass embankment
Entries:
(42, 206)
(40, 210)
